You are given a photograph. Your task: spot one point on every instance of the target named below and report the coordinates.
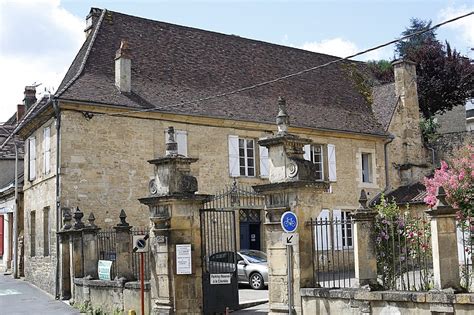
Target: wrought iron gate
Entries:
(219, 263)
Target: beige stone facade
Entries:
(104, 168)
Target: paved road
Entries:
(20, 297)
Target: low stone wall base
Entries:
(359, 301)
(111, 297)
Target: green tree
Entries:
(445, 78)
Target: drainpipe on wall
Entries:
(58, 207)
(385, 145)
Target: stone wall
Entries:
(360, 301)
(104, 162)
(40, 195)
(448, 143)
(110, 297)
(453, 120)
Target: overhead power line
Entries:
(291, 75)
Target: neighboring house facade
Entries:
(470, 119)
(9, 156)
(88, 146)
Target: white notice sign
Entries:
(183, 259)
(220, 278)
(104, 269)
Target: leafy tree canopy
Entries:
(445, 78)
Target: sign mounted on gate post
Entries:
(183, 259)
(104, 267)
(289, 222)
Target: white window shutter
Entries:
(332, 162)
(32, 157)
(46, 150)
(264, 162)
(323, 231)
(182, 140)
(337, 228)
(307, 152)
(234, 169)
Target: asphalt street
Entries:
(20, 297)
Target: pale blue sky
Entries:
(39, 38)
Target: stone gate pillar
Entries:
(123, 248)
(65, 255)
(293, 187)
(90, 248)
(174, 214)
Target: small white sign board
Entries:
(220, 278)
(289, 238)
(104, 269)
(183, 259)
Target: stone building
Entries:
(87, 146)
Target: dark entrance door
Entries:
(250, 229)
(219, 261)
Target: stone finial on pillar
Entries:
(282, 120)
(171, 144)
(365, 258)
(78, 214)
(444, 244)
(123, 248)
(91, 220)
(67, 219)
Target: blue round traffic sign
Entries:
(289, 222)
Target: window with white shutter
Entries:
(234, 156)
(332, 162)
(314, 153)
(307, 152)
(337, 228)
(323, 230)
(181, 138)
(346, 229)
(264, 162)
(32, 159)
(247, 157)
(47, 150)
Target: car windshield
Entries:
(255, 256)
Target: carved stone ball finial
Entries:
(123, 217)
(78, 214)
(91, 220)
(67, 219)
(282, 120)
(363, 200)
(171, 144)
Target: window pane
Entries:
(251, 172)
(250, 162)
(241, 143)
(250, 144)
(242, 171)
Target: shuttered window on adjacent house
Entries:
(241, 156)
(315, 154)
(47, 150)
(46, 227)
(31, 158)
(264, 162)
(181, 138)
(333, 230)
(366, 167)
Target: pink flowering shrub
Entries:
(457, 179)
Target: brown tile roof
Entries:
(172, 64)
(8, 150)
(384, 103)
(409, 194)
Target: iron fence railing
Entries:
(403, 248)
(466, 246)
(106, 248)
(136, 256)
(333, 256)
(107, 251)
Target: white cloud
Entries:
(342, 48)
(465, 27)
(38, 41)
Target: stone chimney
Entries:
(123, 68)
(20, 111)
(410, 155)
(30, 96)
(91, 20)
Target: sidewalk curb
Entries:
(250, 304)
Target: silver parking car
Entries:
(252, 268)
